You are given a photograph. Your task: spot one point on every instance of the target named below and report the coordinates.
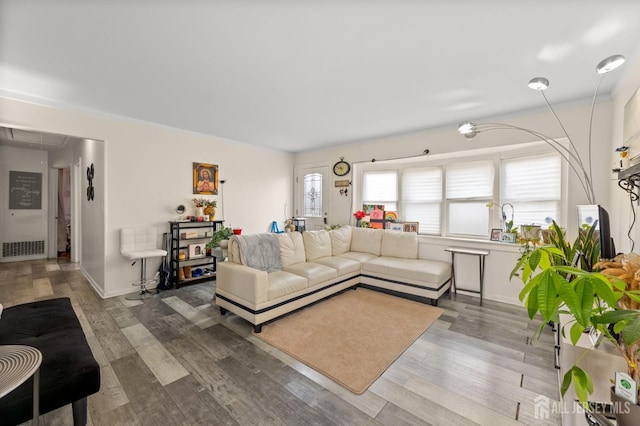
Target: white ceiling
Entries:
(298, 75)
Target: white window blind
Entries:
(380, 187)
(469, 187)
(422, 198)
(533, 185)
(470, 180)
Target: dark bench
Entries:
(68, 374)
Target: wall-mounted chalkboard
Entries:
(25, 190)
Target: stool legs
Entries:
(143, 293)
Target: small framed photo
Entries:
(411, 227)
(496, 233)
(197, 251)
(508, 237)
(395, 226)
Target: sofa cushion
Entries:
(316, 244)
(282, 283)
(399, 244)
(291, 248)
(340, 240)
(314, 272)
(358, 257)
(341, 264)
(366, 240)
(408, 269)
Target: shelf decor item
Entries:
(210, 210)
(205, 207)
(197, 251)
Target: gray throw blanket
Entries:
(260, 251)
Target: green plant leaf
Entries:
(576, 332)
(545, 262)
(582, 384)
(532, 302)
(547, 295)
(633, 295)
(586, 297)
(534, 259)
(614, 316)
(604, 289)
(619, 326)
(514, 271)
(631, 333)
(566, 382)
(571, 299)
(528, 287)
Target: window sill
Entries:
(471, 242)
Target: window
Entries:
(381, 187)
(533, 186)
(448, 195)
(469, 187)
(312, 197)
(422, 198)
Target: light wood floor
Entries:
(173, 360)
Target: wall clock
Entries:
(341, 168)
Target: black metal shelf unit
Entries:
(190, 238)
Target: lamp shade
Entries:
(538, 83)
(610, 64)
(466, 127)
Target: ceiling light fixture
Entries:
(570, 154)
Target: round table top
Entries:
(17, 364)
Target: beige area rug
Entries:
(353, 337)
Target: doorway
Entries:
(63, 214)
(311, 196)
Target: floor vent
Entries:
(22, 248)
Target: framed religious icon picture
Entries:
(205, 178)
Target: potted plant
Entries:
(218, 236)
(205, 206)
(601, 299)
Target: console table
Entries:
(482, 254)
(17, 364)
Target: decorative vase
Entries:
(627, 413)
(199, 211)
(211, 211)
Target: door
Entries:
(59, 236)
(311, 196)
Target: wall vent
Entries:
(22, 248)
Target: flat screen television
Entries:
(595, 215)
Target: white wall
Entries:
(575, 117)
(147, 173)
(93, 214)
(23, 225)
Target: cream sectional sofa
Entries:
(318, 264)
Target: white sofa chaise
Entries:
(316, 264)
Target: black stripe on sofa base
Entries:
(422, 287)
(286, 302)
(258, 327)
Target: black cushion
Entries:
(68, 372)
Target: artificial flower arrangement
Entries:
(203, 202)
(359, 215)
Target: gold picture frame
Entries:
(205, 179)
